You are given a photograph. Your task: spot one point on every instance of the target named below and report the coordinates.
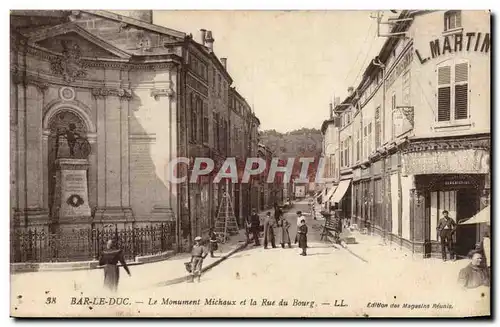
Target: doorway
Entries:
(467, 206)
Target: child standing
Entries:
(213, 242)
(302, 236)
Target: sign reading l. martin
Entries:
(469, 41)
(199, 171)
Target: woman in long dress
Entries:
(284, 225)
(110, 259)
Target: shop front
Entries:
(449, 175)
(460, 195)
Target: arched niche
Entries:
(57, 117)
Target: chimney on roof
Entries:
(209, 41)
(203, 36)
(224, 62)
(350, 90)
(331, 110)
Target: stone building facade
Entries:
(139, 93)
(415, 133)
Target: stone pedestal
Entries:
(71, 194)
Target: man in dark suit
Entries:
(446, 228)
(255, 226)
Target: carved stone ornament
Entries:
(408, 112)
(157, 93)
(70, 65)
(67, 93)
(123, 94)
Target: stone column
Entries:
(45, 165)
(20, 211)
(36, 212)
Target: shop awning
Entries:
(329, 194)
(340, 191)
(483, 216)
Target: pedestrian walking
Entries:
(446, 228)
(269, 224)
(255, 226)
(277, 212)
(198, 253)
(283, 226)
(302, 236)
(299, 219)
(213, 242)
(110, 259)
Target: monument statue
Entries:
(75, 142)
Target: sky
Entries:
(289, 65)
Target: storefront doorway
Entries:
(467, 206)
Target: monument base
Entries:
(120, 217)
(71, 197)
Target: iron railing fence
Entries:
(32, 245)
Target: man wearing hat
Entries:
(198, 253)
(255, 226)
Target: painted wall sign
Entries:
(471, 41)
(400, 67)
(444, 162)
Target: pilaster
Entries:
(36, 212)
(113, 189)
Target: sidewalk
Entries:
(160, 273)
(143, 276)
(428, 273)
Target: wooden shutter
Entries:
(444, 93)
(377, 128)
(461, 90)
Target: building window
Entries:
(342, 154)
(205, 123)
(347, 149)
(194, 118)
(378, 130)
(365, 145)
(406, 88)
(219, 86)
(358, 136)
(394, 113)
(453, 91)
(369, 138)
(452, 20)
(216, 130)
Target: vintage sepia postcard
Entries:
(250, 163)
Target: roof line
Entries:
(136, 22)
